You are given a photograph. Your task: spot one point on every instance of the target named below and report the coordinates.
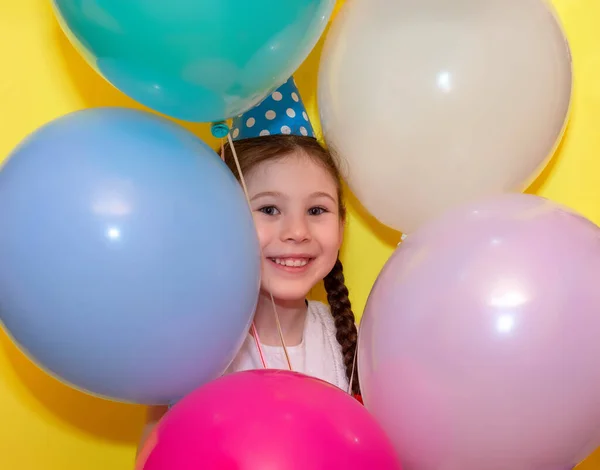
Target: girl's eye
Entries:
(316, 210)
(269, 210)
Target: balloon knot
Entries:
(220, 129)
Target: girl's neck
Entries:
(292, 317)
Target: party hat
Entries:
(282, 112)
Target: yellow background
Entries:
(45, 425)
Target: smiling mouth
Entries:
(291, 262)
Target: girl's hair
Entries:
(253, 152)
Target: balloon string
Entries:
(278, 323)
(353, 363)
(279, 330)
(257, 342)
(223, 149)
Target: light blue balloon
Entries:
(196, 60)
(129, 261)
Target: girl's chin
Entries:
(287, 295)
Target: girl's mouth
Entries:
(292, 265)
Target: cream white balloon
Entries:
(432, 103)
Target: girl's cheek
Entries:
(331, 237)
(265, 234)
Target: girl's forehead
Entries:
(293, 167)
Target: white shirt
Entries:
(318, 355)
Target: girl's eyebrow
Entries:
(264, 194)
(323, 194)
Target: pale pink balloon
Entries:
(268, 419)
(480, 345)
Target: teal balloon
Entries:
(195, 60)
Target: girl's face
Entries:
(296, 210)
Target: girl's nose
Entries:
(296, 230)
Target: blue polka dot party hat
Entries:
(282, 112)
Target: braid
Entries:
(341, 310)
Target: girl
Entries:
(295, 193)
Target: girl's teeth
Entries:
(296, 263)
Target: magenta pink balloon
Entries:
(268, 419)
(480, 345)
